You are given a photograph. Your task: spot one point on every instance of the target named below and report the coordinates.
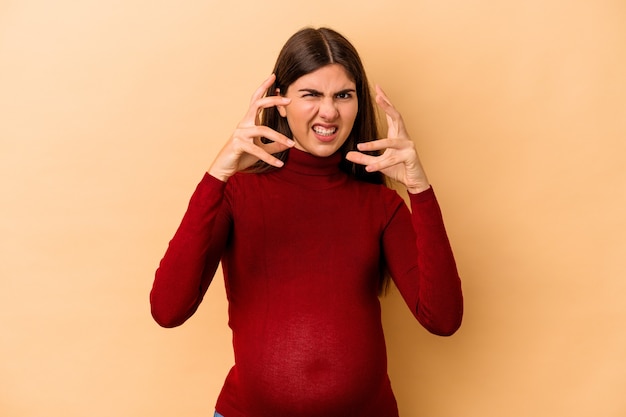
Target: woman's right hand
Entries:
(244, 147)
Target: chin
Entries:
(321, 149)
(325, 152)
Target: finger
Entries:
(390, 111)
(261, 154)
(253, 109)
(263, 103)
(380, 163)
(271, 101)
(360, 158)
(375, 162)
(273, 147)
(258, 132)
(260, 92)
(394, 118)
(383, 96)
(378, 145)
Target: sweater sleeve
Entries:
(422, 264)
(191, 259)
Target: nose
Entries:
(328, 109)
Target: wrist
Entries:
(418, 189)
(218, 175)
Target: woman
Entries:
(295, 208)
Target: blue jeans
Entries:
(217, 414)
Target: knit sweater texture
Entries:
(302, 250)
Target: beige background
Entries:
(110, 112)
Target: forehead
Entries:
(332, 77)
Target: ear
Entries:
(281, 109)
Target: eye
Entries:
(344, 95)
(311, 94)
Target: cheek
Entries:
(349, 113)
(301, 113)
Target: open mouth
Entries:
(324, 131)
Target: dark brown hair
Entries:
(306, 51)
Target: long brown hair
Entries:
(304, 52)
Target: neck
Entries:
(312, 171)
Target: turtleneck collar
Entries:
(312, 171)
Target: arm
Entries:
(192, 257)
(421, 263)
(440, 298)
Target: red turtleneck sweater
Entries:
(302, 248)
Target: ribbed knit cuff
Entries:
(426, 195)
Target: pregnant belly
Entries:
(305, 365)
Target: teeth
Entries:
(323, 131)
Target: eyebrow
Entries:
(314, 91)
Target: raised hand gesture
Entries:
(399, 160)
(244, 147)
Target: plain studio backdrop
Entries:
(111, 111)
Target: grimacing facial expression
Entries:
(322, 110)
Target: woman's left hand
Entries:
(399, 160)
